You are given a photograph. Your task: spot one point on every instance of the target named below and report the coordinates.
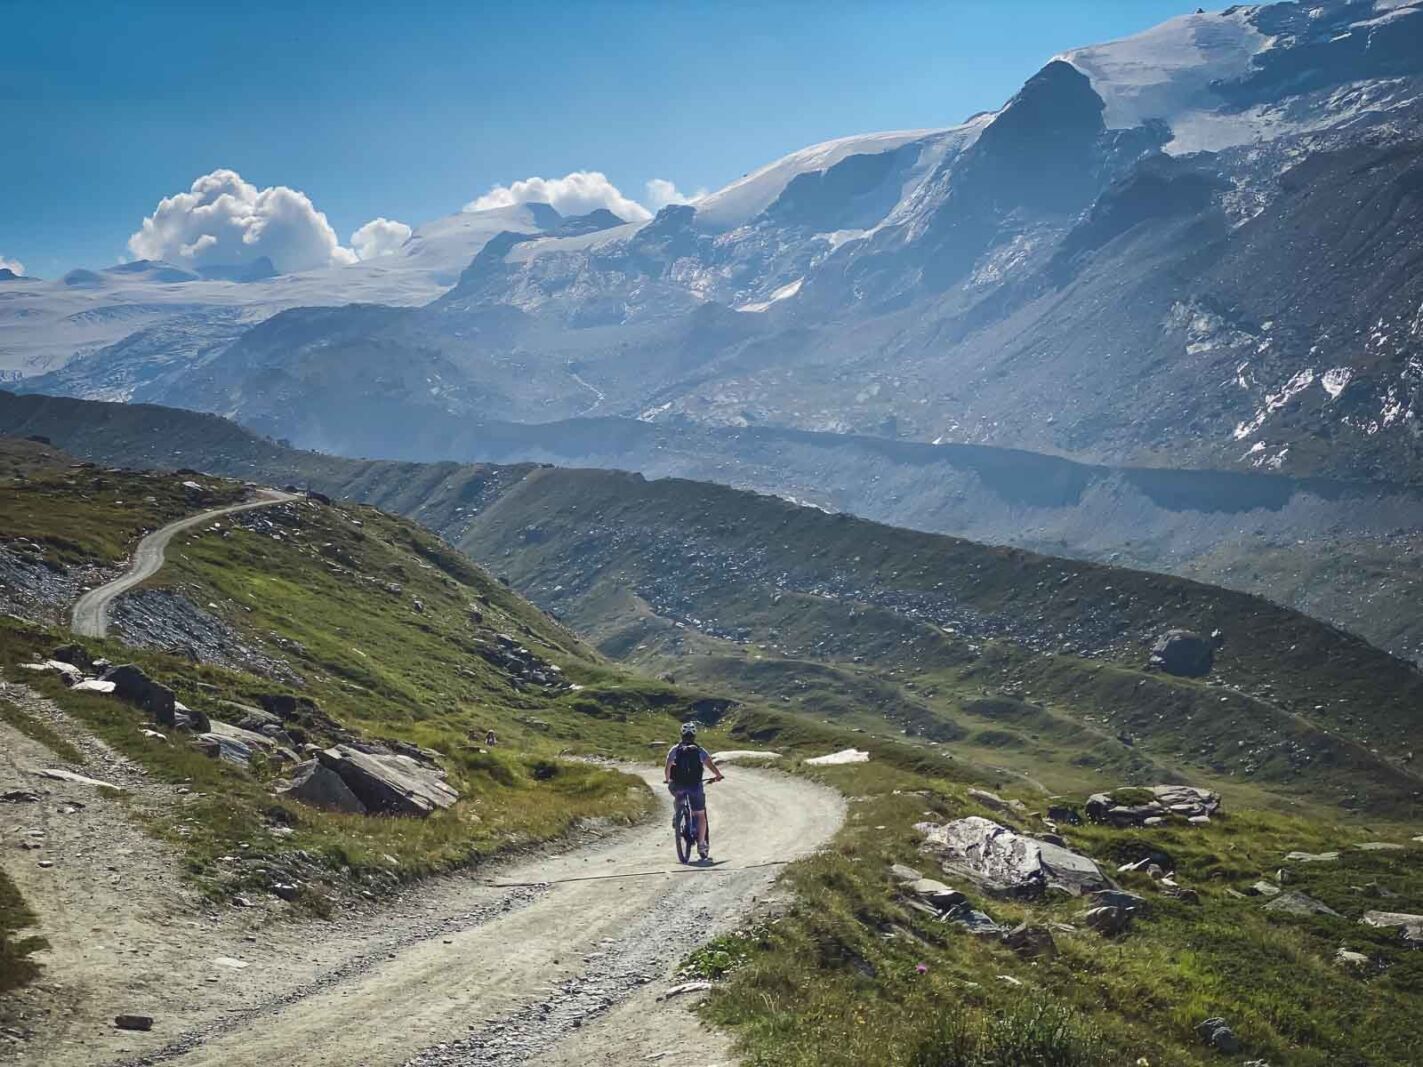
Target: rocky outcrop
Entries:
(1002, 861)
(1183, 653)
(393, 784)
(1159, 803)
(132, 685)
(319, 786)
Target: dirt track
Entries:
(561, 960)
(90, 615)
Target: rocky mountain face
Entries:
(1192, 247)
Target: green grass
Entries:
(36, 730)
(334, 595)
(82, 514)
(16, 946)
(837, 979)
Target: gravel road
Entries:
(90, 616)
(550, 960)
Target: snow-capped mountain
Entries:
(1197, 246)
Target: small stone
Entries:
(1348, 958)
(1217, 1033)
(133, 1022)
(1031, 942)
(900, 873)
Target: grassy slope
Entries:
(843, 617)
(835, 980)
(78, 513)
(315, 588)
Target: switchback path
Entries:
(90, 615)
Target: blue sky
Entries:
(411, 110)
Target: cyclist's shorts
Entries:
(697, 794)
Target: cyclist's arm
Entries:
(710, 765)
(667, 770)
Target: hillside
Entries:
(947, 663)
(1303, 706)
(360, 627)
(1347, 553)
(822, 610)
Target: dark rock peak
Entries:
(855, 193)
(7, 275)
(545, 216)
(81, 278)
(1057, 102)
(592, 222)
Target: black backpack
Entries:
(687, 765)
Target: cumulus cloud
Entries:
(379, 237)
(573, 194)
(12, 264)
(661, 192)
(225, 220)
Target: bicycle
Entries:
(684, 827)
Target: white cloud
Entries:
(661, 192)
(573, 194)
(12, 264)
(379, 237)
(224, 220)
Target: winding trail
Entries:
(90, 615)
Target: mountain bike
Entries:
(684, 826)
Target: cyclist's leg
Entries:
(697, 796)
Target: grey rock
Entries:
(935, 893)
(1120, 898)
(133, 1022)
(1410, 925)
(1004, 861)
(1107, 920)
(1216, 1033)
(75, 654)
(1183, 653)
(133, 685)
(997, 803)
(1348, 958)
(319, 786)
(1312, 857)
(1031, 942)
(1263, 888)
(1292, 902)
(390, 784)
(227, 749)
(900, 873)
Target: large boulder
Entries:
(131, 684)
(1003, 861)
(390, 784)
(227, 749)
(1182, 801)
(319, 786)
(1183, 653)
(75, 654)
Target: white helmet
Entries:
(689, 729)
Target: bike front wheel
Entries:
(684, 832)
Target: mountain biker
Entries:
(683, 775)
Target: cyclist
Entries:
(683, 775)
